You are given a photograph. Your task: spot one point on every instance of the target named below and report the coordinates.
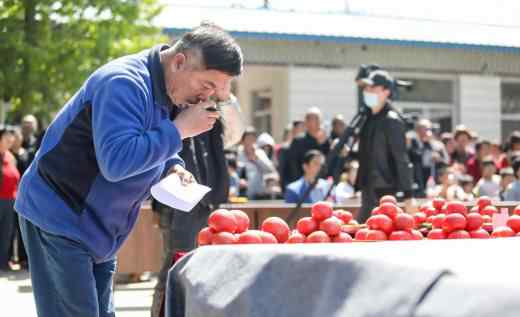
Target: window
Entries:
(510, 105)
(262, 116)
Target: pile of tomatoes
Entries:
(437, 219)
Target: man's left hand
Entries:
(185, 176)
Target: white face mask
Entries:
(371, 99)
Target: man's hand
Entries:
(195, 119)
(185, 176)
(410, 206)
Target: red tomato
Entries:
(474, 221)
(351, 230)
(267, 237)
(479, 234)
(242, 220)
(343, 215)
(456, 207)
(417, 235)
(376, 211)
(318, 237)
(502, 232)
(459, 234)
(420, 218)
(380, 222)
(438, 203)
(438, 220)
(454, 222)
(205, 236)
(430, 219)
(514, 223)
(278, 227)
(361, 234)
(307, 225)
(332, 226)
(488, 226)
(342, 237)
(436, 234)
(400, 235)
(248, 237)
(296, 237)
(224, 237)
(389, 209)
(516, 211)
(388, 199)
(487, 218)
(353, 222)
(489, 210)
(376, 235)
(404, 222)
(222, 220)
(483, 202)
(430, 211)
(321, 210)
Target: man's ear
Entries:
(179, 61)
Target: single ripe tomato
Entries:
(483, 202)
(307, 225)
(456, 207)
(419, 218)
(400, 235)
(479, 234)
(388, 199)
(438, 221)
(516, 211)
(267, 237)
(514, 223)
(438, 203)
(376, 235)
(489, 210)
(222, 220)
(342, 237)
(224, 237)
(502, 232)
(321, 210)
(380, 222)
(389, 209)
(249, 237)
(205, 236)
(459, 234)
(296, 237)
(343, 215)
(474, 221)
(454, 222)
(417, 235)
(242, 220)
(376, 211)
(436, 234)
(331, 226)
(278, 227)
(318, 237)
(404, 222)
(361, 234)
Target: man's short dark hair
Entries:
(311, 155)
(296, 123)
(514, 138)
(218, 49)
(481, 143)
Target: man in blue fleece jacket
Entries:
(80, 198)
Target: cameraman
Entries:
(384, 168)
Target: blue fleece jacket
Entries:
(99, 157)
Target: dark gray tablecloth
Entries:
(408, 278)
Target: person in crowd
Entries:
(512, 192)
(474, 164)
(448, 187)
(272, 185)
(449, 144)
(507, 176)
(466, 182)
(30, 133)
(20, 153)
(234, 179)
(345, 189)
(296, 128)
(489, 184)
(426, 154)
(314, 138)
(116, 137)
(384, 164)
(462, 139)
(266, 142)
(312, 163)
(338, 126)
(513, 148)
(256, 164)
(8, 187)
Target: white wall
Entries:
(480, 105)
(331, 90)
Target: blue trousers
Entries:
(65, 279)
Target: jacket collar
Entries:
(157, 75)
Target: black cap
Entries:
(379, 78)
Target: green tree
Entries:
(48, 48)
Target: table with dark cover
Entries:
(396, 278)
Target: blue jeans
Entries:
(65, 279)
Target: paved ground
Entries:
(132, 300)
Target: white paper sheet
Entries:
(171, 192)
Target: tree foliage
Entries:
(48, 48)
